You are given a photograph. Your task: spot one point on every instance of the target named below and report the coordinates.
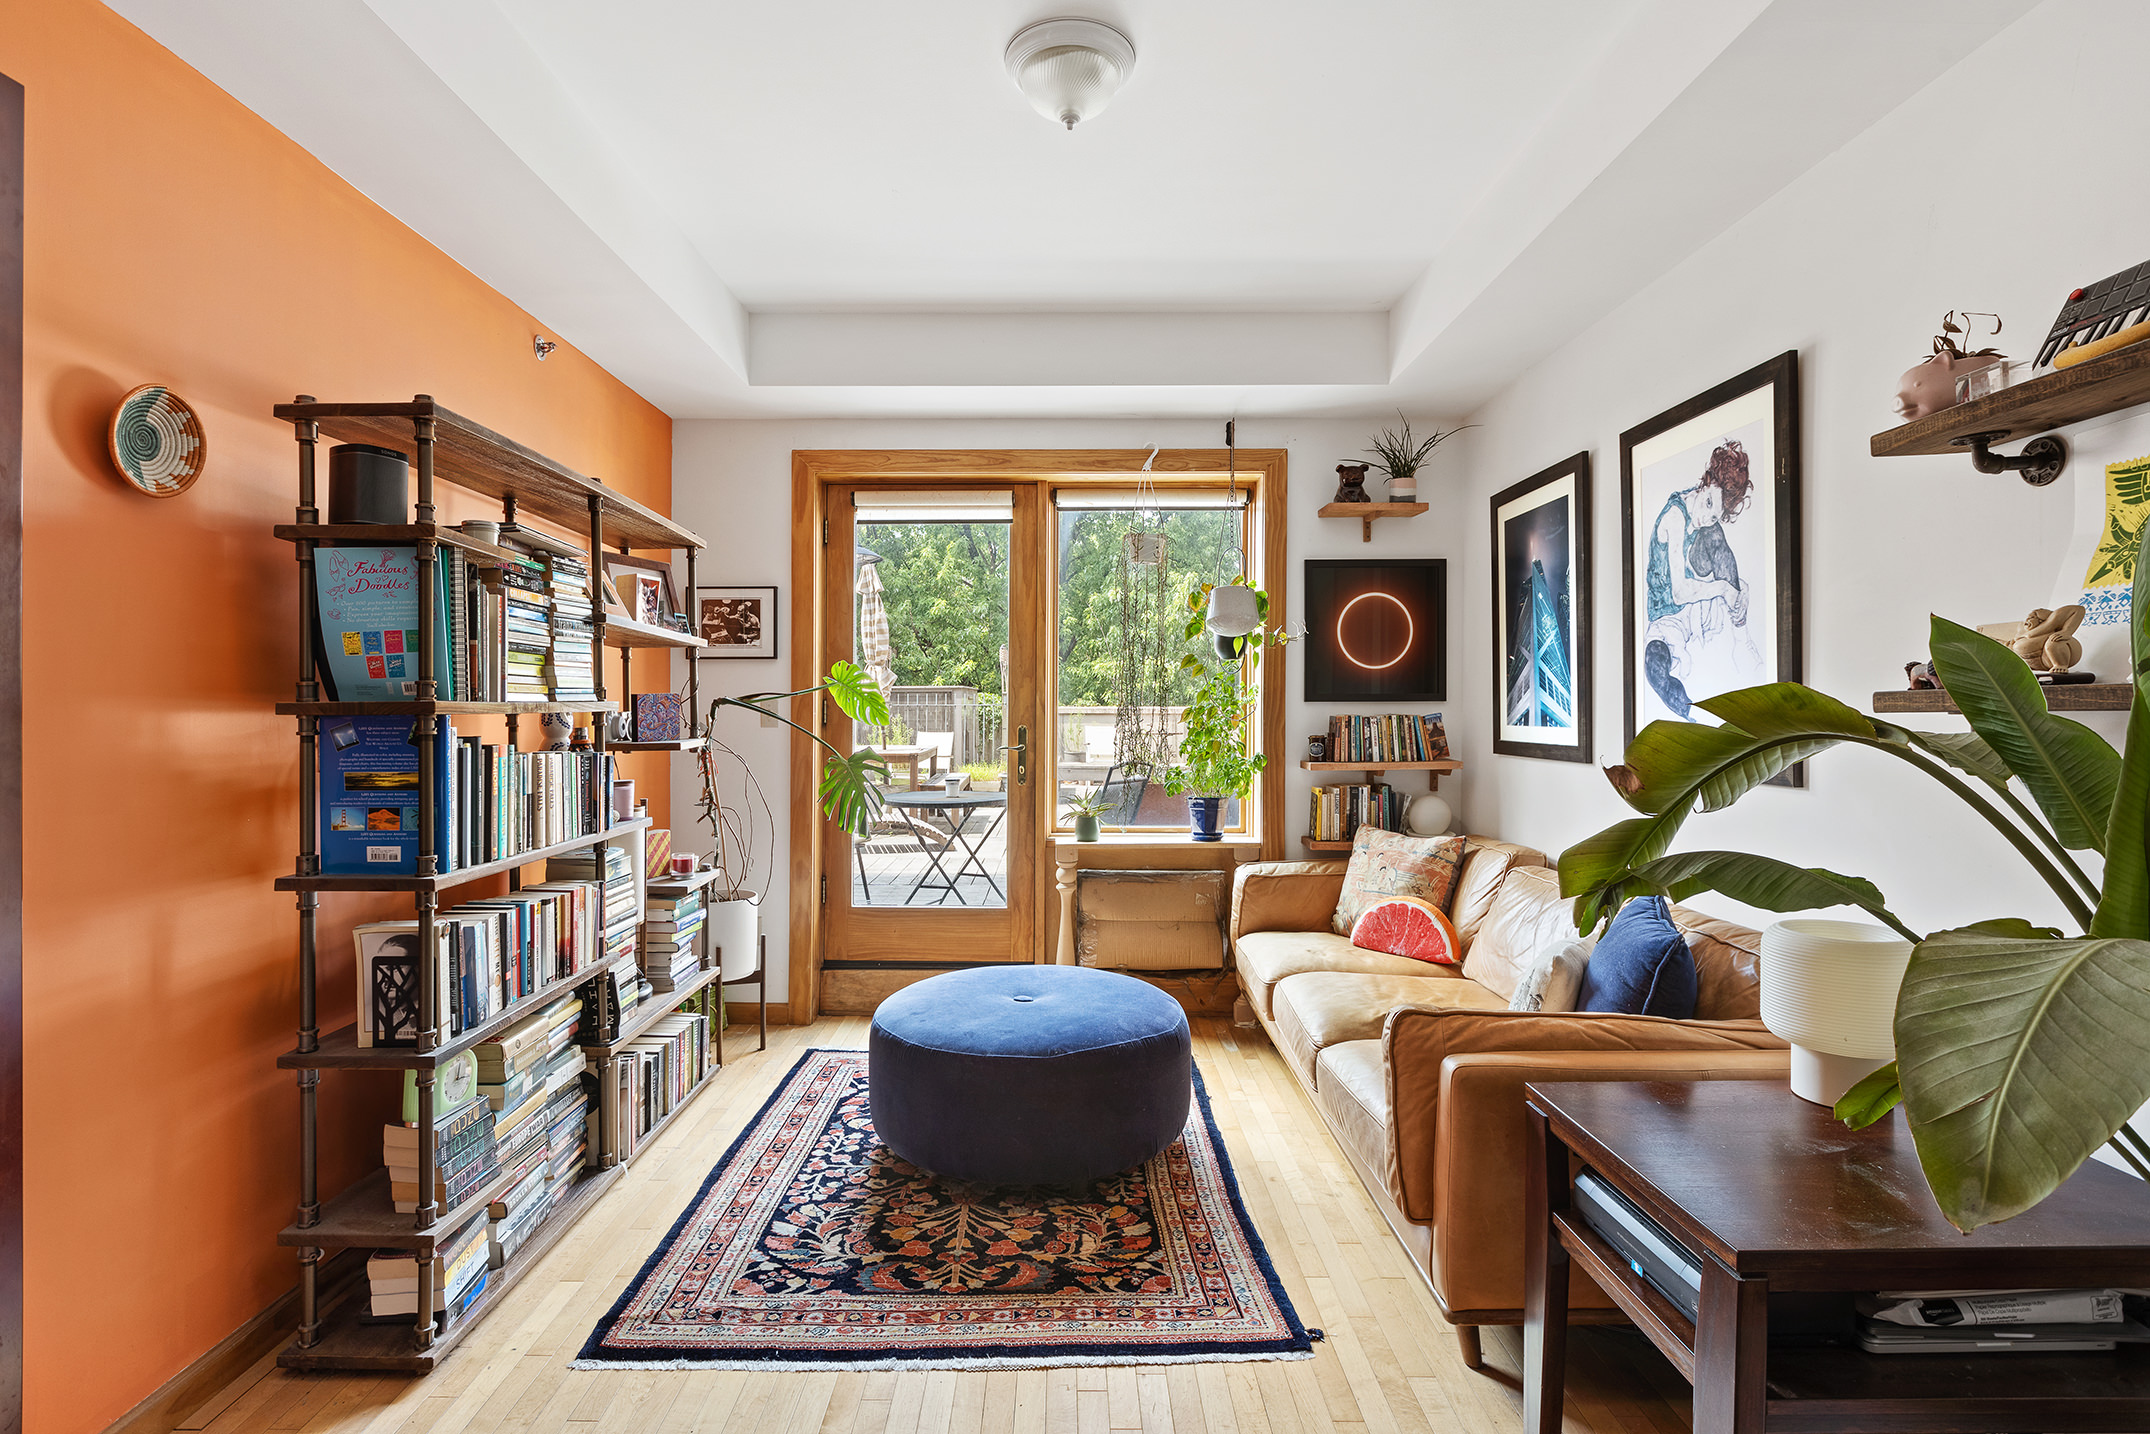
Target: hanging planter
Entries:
(1146, 550)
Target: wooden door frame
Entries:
(815, 470)
(11, 1233)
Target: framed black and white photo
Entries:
(736, 622)
(1376, 629)
(1541, 615)
(1709, 518)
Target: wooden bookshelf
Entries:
(446, 447)
(461, 874)
(348, 1342)
(1312, 845)
(1433, 770)
(626, 632)
(437, 709)
(648, 1137)
(472, 456)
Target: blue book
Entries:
(367, 606)
(369, 796)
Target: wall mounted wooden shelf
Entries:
(1432, 770)
(689, 744)
(1366, 513)
(361, 535)
(436, 709)
(1312, 845)
(2078, 697)
(461, 874)
(2054, 400)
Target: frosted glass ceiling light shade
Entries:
(1070, 69)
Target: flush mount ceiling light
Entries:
(1070, 69)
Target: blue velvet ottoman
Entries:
(1029, 1075)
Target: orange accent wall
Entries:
(175, 237)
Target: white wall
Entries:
(1852, 265)
(731, 481)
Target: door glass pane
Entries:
(1124, 578)
(930, 623)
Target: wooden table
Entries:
(909, 757)
(1776, 1197)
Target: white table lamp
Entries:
(1829, 987)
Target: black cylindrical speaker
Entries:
(368, 485)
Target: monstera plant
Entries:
(850, 781)
(2020, 1049)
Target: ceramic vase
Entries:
(1086, 826)
(735, 933)
(1202, 818)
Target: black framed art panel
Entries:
(1710, 500)
(1376, 629)
(1542, 662)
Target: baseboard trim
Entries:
(179, 1398)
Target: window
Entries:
(1123, 574)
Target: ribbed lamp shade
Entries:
(1070, 69)
(1829, 988)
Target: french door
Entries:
(937, 594)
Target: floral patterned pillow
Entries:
(1385, 864)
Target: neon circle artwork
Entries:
(1410, 633)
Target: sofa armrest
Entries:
(1285, 895)
(1484, 1141)
(1417, 1045)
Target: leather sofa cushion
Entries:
(1317, 1009)
(1267, 957)
(1728, 966)
(1485, 863)
(1284, 895)
(1351, 1088)
(1526, 912)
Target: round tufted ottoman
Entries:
(1029, 1075)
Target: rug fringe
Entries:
(877, 1366)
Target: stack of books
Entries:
(574, 664)
(1395, 737)
(528, 633)
(615, 868)
(464, 1158)
(460, 1267)
(1337, 812)
(511, 1218)
(669, 937)
(490, 954)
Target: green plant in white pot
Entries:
(2019, 1050)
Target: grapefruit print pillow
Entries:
(1407, 926)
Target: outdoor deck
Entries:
(888, 869)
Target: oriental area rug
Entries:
(811, 1246)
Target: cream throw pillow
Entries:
(1553, 978)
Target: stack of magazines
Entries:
(1967, 1321)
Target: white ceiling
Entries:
(846, 208)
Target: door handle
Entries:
(1021, 747)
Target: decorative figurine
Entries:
(1351, 483)
(1920, 677)
(2047, 641)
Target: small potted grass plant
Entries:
(1087, 811)
(1401, 455)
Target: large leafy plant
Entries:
(2020, 1050)
(850, 781)
(1214, 760)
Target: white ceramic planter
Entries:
(735, 934)
(1829, 987)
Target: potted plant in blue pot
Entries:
(1214, 764)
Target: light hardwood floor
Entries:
(1388, 1366)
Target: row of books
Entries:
(461, 1267)
(1394, 737)
(1337, 812)
(489, 953)
(612, 867)
(657, 1071)
(533, 1074)
(490, 801)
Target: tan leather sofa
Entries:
(1418, 1070)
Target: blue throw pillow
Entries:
(1641, 966)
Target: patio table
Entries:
(909, 757)
(954, 809)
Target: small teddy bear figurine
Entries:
(2046, 640)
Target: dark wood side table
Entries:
(1772, 1194)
